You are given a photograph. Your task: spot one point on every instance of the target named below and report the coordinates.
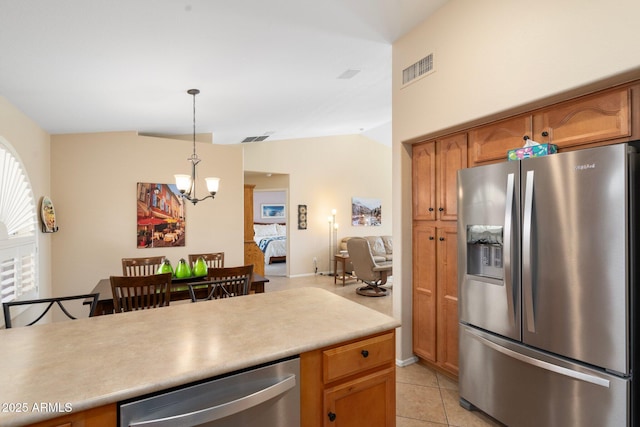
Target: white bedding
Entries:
(276, 235)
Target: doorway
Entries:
(271, 219)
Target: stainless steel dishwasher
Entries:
(266, 396)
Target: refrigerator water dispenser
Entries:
(484, 251)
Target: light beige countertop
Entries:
(92, 362)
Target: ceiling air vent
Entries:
(417, 70)
(255, 138)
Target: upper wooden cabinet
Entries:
(434, 169)
(600, 117)
(424, 180)
(490, 143)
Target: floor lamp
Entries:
(333, 237)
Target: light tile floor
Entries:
(424, 397)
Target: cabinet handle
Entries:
(364, 353)
(332, 416)
(430, 209)
(441, 239)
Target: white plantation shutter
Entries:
(18, 220)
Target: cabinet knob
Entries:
(430, 237)
(545, 133)
(364, 353)
(441, 209)
(441, 239)
(332, 416)
(430, 209)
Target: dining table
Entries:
(179, 291)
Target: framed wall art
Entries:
(161, 218)
(48, 216)
(272, 210)
(302, 217)
(366, 212)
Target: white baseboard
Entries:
(302, 275)
(406, 362)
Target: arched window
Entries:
(18, 238)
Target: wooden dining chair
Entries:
(90, 299)
(141, 266)
(223, 282)
(132, 293)
(213, 259)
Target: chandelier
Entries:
(187, 183)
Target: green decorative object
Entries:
(165, 267)
(182, 269)
(200, 267)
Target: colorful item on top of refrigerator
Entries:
(531, 149)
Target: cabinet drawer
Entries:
(352, 358)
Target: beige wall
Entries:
(94, 180)
(324, 173)
(31, 144)
(493, 56)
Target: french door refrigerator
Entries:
(547, 258)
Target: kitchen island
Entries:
(88, 364)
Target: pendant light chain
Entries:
(194, 158)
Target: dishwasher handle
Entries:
(224, 410)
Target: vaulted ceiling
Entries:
(278, 68)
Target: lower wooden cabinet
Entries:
(102, 416)
(435, 295)
(362, 402)
(351, 384)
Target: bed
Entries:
(272, 241)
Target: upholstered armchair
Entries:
(366, 269)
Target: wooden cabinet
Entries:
(601, 117)
(252, 253)
(96, 417)
(424, 180)
(447, 298)
(424, 291)
(598, 119)
(490, 143)
(435, 165)
(351, 384)
(435, 295)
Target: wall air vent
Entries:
(417, 70)
(255, 138)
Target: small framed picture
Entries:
(272, 210)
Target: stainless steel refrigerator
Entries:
(547, 258)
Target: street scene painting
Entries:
(161, 216)
(366, 212)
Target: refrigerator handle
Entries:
(507, 248)
(580, 376)
(527, 242)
